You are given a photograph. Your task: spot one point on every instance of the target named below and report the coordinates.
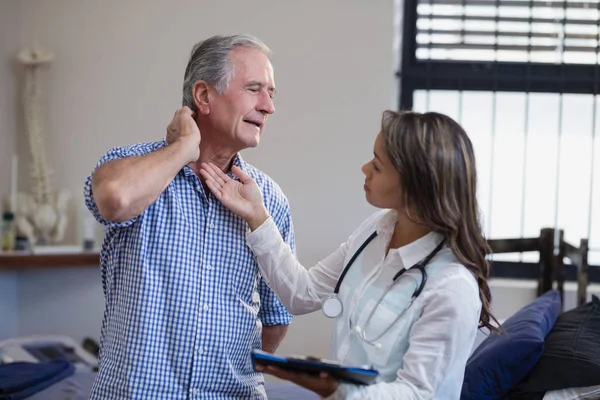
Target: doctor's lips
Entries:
(366, 188)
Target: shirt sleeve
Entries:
(114, 154)
(300, 290)
(440, 341)
(272, 311)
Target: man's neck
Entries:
(212, 149)
(221, 157)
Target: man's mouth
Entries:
(258, 124)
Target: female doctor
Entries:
(408, 288)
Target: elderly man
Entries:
(185, 303)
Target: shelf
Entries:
(17, 261)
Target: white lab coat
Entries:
(423, 355)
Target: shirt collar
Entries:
(238, 161)
(411, 253)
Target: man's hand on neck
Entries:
(184, 133)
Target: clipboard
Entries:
(313, 366)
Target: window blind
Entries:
(564, 32)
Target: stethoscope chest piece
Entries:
(332, 307)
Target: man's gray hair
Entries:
(209, 61)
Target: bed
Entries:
(551, 272)
(79, 385)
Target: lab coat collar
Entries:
(411, 253)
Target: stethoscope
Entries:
(332, 306)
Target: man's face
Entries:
(238, 116)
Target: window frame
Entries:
(415, 74)
(496, 76)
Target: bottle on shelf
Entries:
(8, 231)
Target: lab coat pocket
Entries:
(385, 331)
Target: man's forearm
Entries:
(124, 188)
(272, 336)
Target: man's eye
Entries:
(254, 90)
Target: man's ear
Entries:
(201, 93)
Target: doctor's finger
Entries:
(299, 378)
(220, 174)
(214, 188)
(244, 177)
(281, 373)
(209, 178)
(215, 173)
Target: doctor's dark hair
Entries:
(436, 162)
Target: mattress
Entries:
(79, 385)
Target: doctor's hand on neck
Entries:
(244, 198)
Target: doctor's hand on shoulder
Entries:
(244, 198)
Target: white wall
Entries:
(118, 72)
(9, 31)
(70, 302)
(117, 79)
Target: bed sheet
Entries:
(79, 385)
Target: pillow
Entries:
(585, 393)
(502, 360)
(571, 356)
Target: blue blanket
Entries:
(21, 379)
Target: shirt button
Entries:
(195, 392)
(200, 350)
(208, 267)
(211, 225)
(205, 307)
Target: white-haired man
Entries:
(185, 303)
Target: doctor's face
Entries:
(383, 186)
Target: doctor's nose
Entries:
(365, 169)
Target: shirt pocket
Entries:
(386, 333)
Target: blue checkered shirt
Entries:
(185, 303)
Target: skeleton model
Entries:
(42, 215)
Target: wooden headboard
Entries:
(551, 266)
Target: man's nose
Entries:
(266, 104)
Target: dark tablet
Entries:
(360, 376)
